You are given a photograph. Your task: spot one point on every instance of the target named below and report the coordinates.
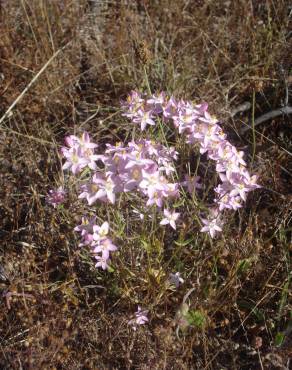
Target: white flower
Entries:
(170, 218)
(175, 279)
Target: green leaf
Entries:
(243, 265)
(279, 339)
(196, 318)
(179, 203)
(110, 269)
(283, 300)
(183, 243)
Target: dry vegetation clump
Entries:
(57, 310)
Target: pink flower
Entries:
(86, 230)
(170, 110)
(96, 237)
(155, 198)
(170, 218)
(151, 183)
(104, 246)
(72, 141)
(102, 262)
(85, 142)
(100, 187)
(74, 159)
(133, 103)
(90, 191)
(107, 187)
(211, 226)
(86, 225)
(156, 102)
(192, 183)
(100, 232)
(176, 279)
(56, 196)
(144, 118)
(80, 153)
(133, 177)
(140, 318)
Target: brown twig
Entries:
(267, 116)
(240, 108)
(9, 110)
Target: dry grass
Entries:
(63, 314)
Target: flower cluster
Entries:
(141, 166)
(79, 153)
(97, 237)
(148, 168)
(199, 127)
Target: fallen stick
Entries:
(9, 110)
(267, 116)
(240, 108)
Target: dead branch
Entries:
(267, 116)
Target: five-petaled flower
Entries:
(170, 218)
(176, 279)
(211, 226)
(140, 318)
